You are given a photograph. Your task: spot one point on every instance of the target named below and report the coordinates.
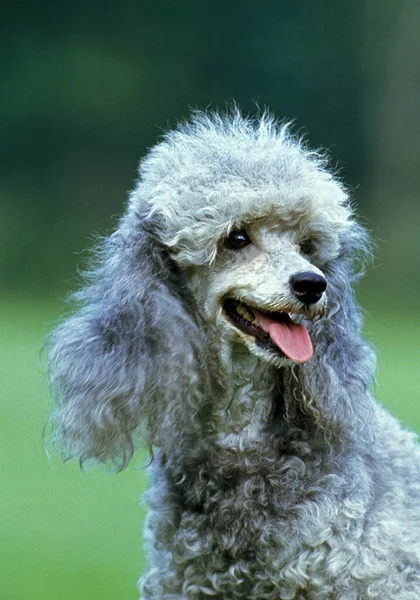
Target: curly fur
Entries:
(271, 480)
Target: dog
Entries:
(218, 325)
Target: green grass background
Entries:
(67, 535)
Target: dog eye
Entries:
(237, 239)
(307, 246)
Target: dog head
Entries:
(253, 219)
(237, 235)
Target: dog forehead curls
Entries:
(218, 326)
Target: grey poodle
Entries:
(218, 325)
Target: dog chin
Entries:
(271, 355)
(266, 352)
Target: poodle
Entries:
(218, 325)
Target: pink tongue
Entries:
(292, 339)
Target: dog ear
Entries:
(334, 385)
(132, 348)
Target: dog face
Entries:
(252, 217)
(261, 288)
(253, 227)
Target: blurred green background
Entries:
(87, 88)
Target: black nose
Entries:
(308, 286)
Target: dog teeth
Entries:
(244, 312)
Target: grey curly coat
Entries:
(205, 328)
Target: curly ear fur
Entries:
(334, 386)
(125, 356)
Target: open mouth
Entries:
(273, 331)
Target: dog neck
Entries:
(250, 384)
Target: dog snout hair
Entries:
(308, 286)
